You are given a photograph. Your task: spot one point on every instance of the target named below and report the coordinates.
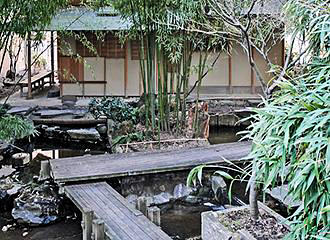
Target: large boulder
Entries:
(181, 190)
(37, 205)
(162, 198)
(281, 193)
(219, 188)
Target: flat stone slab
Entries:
(19, 110)
(84, 134)
(48, 113)
(6, 171)
(281, 194)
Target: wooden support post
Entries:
(253, 76)
(230, 77)
(98, 229)
(143, 203)
(29, 95)
(154, 215)
(126, 69)
(105, 77)
(86, 224)
(44, 171)
(52, 58)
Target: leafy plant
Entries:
(123, 139)
(291, 134)
(113, 108)
(196, 174)
(14, 127)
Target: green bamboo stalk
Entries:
(165, 91)
(201, 67)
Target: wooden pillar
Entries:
(29, 95)
(143, 203)
(86, 224)
(230, 77)
(59, 65)
(105, 77)
(253, 77)
(52, 58)
(98, 229)
(126, 69)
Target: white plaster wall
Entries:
(133, 72)
(217, 76)
(72, 89)
(275, 56)
(241, 70)
(115, 76)
(94, 89)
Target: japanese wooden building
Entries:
(115, 71)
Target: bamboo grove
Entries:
(166, 50)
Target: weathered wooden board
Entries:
(121, 220)
(115, 165)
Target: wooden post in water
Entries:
(98, 229)
(86, 224)
(154, 215)
(143, 203)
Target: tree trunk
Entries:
(253, 194)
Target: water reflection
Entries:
(224, 134)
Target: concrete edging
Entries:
(212, 229)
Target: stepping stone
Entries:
(281, 194)
(19, 110)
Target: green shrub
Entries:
(114, 108)
(14, 127)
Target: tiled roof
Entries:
(82, 18)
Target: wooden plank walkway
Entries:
(121, 220)
(116, 165)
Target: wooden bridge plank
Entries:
(115, 165)
(121, 219)
(115, 229)
(109, 214)
(85, 195)
(141, 220)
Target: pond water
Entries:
(182, 222)
(224, 134)
(178, 220)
